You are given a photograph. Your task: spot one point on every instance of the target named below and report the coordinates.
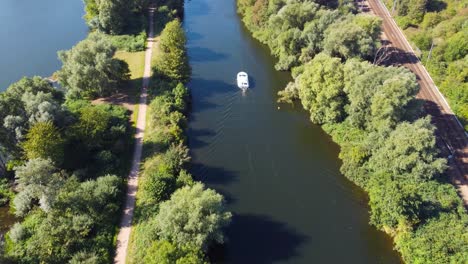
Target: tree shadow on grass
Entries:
(257, 239)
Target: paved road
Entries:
(451, 137)
(132, 185)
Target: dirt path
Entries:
(451, 137)
(132, 185)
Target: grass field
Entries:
(136, 65)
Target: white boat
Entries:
(243, 80)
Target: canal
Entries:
(279, 173)
(32, 32)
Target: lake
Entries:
(32, 32)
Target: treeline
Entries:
(63, 159)
(439, 32)
(176, 218)
(372, 113)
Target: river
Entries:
(279, 173)
(32, 32)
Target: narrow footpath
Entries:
(132, 185)
(451, 137)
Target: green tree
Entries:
(393, 206)
(113, 15)
(37, 180)
(89, 69)
(43, 140)
(356, 36)
(321, 89)
(443, 239)
(193, 216)
(409, 153)
(173, 61)
(25, 102)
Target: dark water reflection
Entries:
(279, 173)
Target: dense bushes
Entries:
(59, 150)
(168, 227)
(371, 112)
(130, 43)
(438, 30)
(173, 61)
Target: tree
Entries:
(113, 15)
(443, 239)
(409, 153)
(356, 36)
(24, 103)
(93, 123)
(44, 141)
(38, 180)
(89, 69)
(193, 216)
(173, 62)
(81, 220)
(388, 105)
(321, 89)
(393, 206)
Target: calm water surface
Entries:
(31, 33)
(278, 172)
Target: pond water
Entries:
(32, 32)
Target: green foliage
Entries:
(356, 36)
(6, 192)
(38, 180)
(81, 220)
(112, 16)
(441, 25)
(173, 61)
(163, 252)
(23, 104)
(44, 141)
(443, 239)
(321, 89)
(193, 216)
(296, 31)
(89, 69)
(409, 152)
(131, 43)
(99, 137)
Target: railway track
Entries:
(451, 137)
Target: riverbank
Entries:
(409, 198)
